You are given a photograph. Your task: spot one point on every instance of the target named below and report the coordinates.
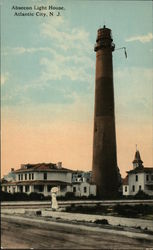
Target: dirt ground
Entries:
(28, 234)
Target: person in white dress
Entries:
(54, 191)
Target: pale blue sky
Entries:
(21, 68)
(48, 63)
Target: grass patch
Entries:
(135, 211)
(129, 211)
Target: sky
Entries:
(48, 81)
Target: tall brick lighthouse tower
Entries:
(105, 172)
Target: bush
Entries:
(36, 196)
(20, 196)
(69, 196)
(141, 195)
(5, 196)
(92, 197)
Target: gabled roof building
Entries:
(139, 178)
(41, 177)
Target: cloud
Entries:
(142, 39)
(23, 50)
(66, 37)
(60, 65)
(64, 64)
(4, 78)
(71, 57)
(65, 67)
(133, 93)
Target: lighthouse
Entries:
(104, 165)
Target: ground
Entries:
(18, 232)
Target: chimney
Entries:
(22, 166)
(59, 165)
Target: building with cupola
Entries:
(139, 178)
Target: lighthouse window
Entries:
(136, 177)
(125, 188)
(85, 189)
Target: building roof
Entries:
(141, 170)
(41, 167)
(125, 181)
(10, 176)
(3, 180)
